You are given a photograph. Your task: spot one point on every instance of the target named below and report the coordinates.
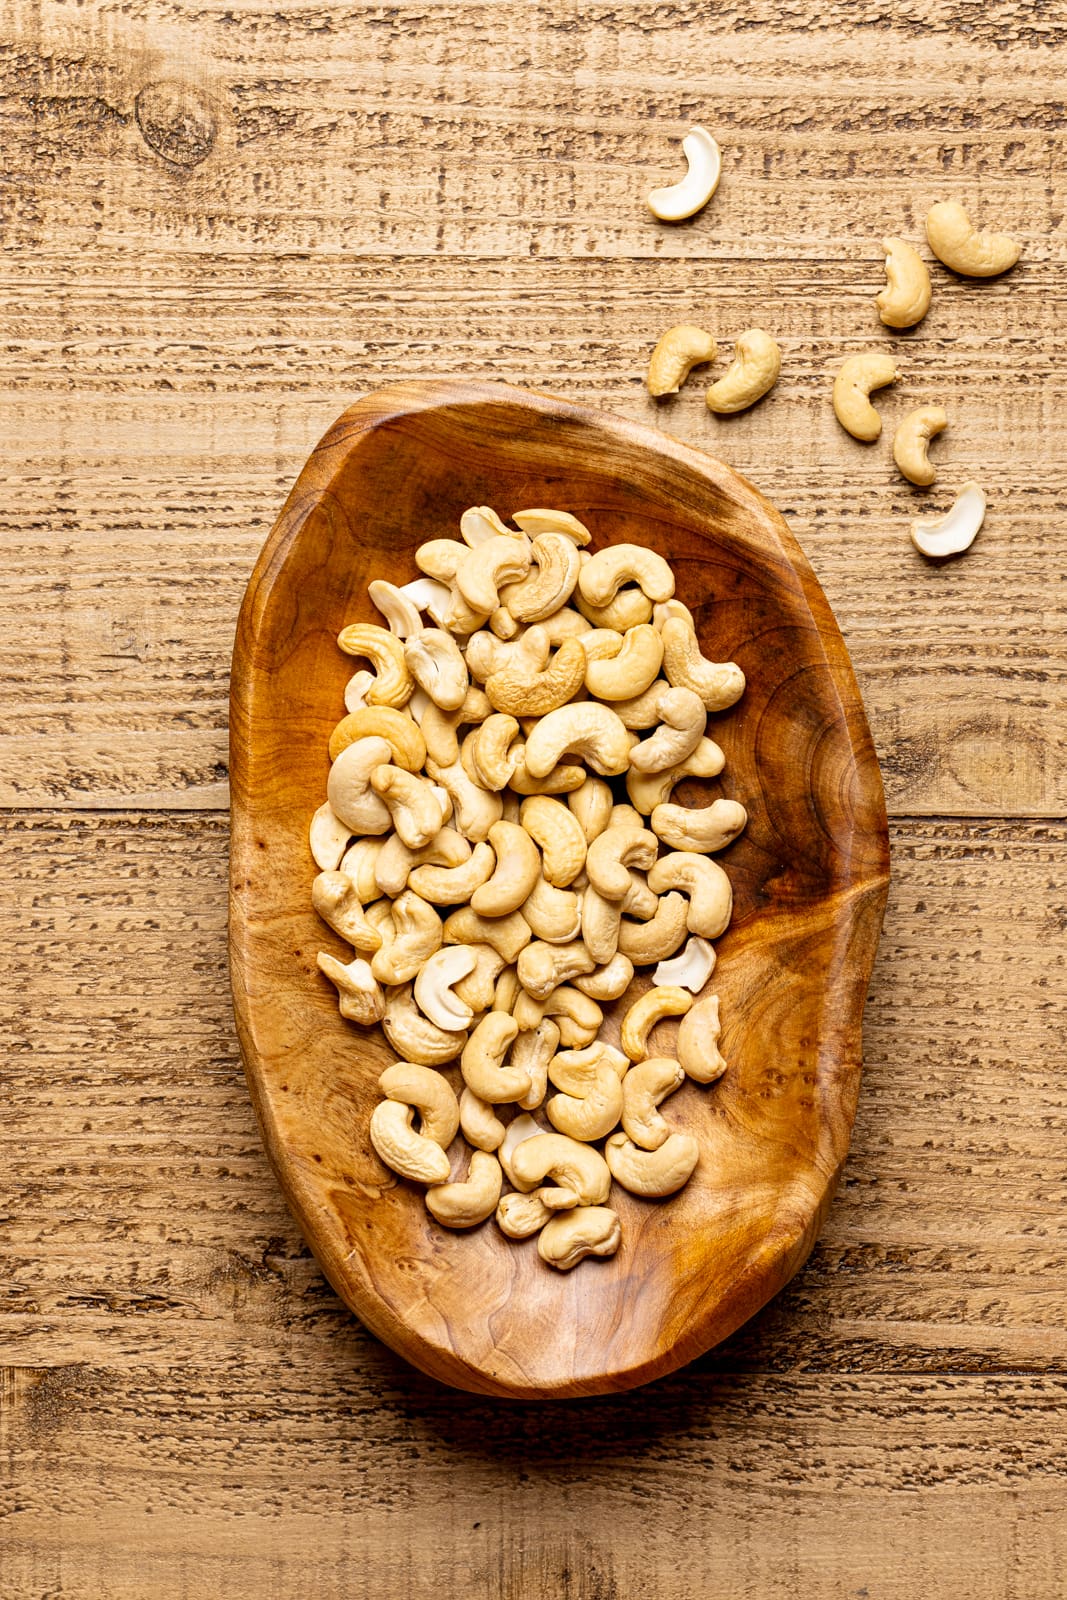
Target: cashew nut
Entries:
(578, 1018)
(698, 1042)
(453, 886)
(592, 1098)
(611, 855)
(418, 935)
(543, 967)
(590, 730)
(957, 530)
(660, 936)
(531, 1053)
(629, 609)
(591, 804)
(478, 1122)
(644, 1087)
(482, 1061)
(432, 1096)
(385, 652)
(464, 1205)
(629, 670)
(647, 790)
(434, 984)
(413, 1036)
(609, 981)
(571, 1165)
(954, 240)
(601, 920)
(384, 722)
(399, 609)
(487, 654)
(645, 1012)
(570, 1236)
(539, 521)
(679, 350)
(494, 752)
(360, 998)
(704, 829)
(718, 683)
(557, 780)
(518, 867)
(359, 864)
(334, 897)
(551, 582)
(519, 1130)
(416, 810)
(396, 861)
(689, 970)
(684, 199)
(565, 624)
(753, 371)
(556, 830)
(683, 720)
(872, 369)
(604, 574)
(507, 935)
(553, 914)
(905, 300)
(356, 690)
(403, 1150)
(522, 1215)
(434, 661)
(652, 1173)
(706, 884)
(328, 838)
(525, 693)
(910, 442)
(643, 710)
(489, 566)
(348, 788)
(479, 524)
(440, 558)
(476, 809)
(507, 989)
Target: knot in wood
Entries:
(177, 121)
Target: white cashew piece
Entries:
(652, 1173)
(475, 809)
(478, 988)
(482, 1062)
(440, 558)
(956, 531)
(872, 369)
(678, 201)
(413, 1036)
(629, 609)
(706, 884)
(494, 752)
(577, 1016)
(679, 350)
(910, 441)
(704, 829)
(601, 922)
(589, 730)
(644, 1087)
(954, 240)
(398, 609)
(698, 1042)
(691, 969)
(718, 683)
(650, 1008)
(360, 998)
(359, 863)
(356, 690)
(905, 300)
(434, 983)
(571, 1236)
(464, 1205)
(753, 371)
(328, 838)
(519, 1130)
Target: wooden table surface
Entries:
(222, 223)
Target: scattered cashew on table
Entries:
(495, 887)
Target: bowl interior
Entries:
(809, 876)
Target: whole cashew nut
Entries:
(524, 693)
(611, 855)
(718, 683)
(645, 1012)
(413, 1036)
(432, 1096)
(589, 730)
(604, 574)
(334, 897)
(418, 935)
(609, 981)
(683, 720)
(577, 1016)
(518, 867)
(433, 658)
(399, 609)
(601, 921)
(704, 829)
(440, 558)
(403, 1150)
(396, 861)
(644, 1087)
(416, 810)
(479, 524)
(591, 1102)
(531, 1053)
(753, 371)
(660, 936)
(570, 1236)
(539, 521)
(553, 914)
(478, 1122)
(910, 442)
(706, 884)
(488, 567)
(872, 369)
(543, 967)
(629, 609)
(955, 241)
(487, 654)
(494, 751)
(565, 624)
(383, 722)
(453, 886)
(652, 1173)
(684, 199)
(507, 935)
(647, 790)
(385, 652)
(520, 1216)
(348, 788)
(551, 582)
(591, 804)
(464, 1205)
(555, 829)
(630, 670)
(571, 1165)
(698, 1042)
(679, 350)
(905, 300)
(482, 1062)
(360, 998)
(356, 690)
(642, 711)
(476, 809)
(434, 983)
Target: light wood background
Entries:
(192, 285)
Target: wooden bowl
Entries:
(810, 876)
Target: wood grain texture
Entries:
(809, 878)
(436, 188)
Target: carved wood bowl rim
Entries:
(779, 1133)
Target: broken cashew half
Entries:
(956, 531)
(678, 201)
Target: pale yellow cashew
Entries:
(678, 201)
(910, 442)
(905, 300)
(591, 804)
(518, 867)
(690, 969)
(591, 1100)
(416, 810)
(543, 967)
(571, 1236)
(431, 1095)
(531, 1053)
(630, 670)
(698, 1042)
(440, 728)
(458, 616)
(478, 988)
(360, 998)
(642, 711)
(418, 935)
(440, 558)
(328, 838)
(557, 780)
(360, 864)
(679, 350)
(643, 1090)
(403, 1150)
(549, 585)
(428, 594)
(396, 861)
(524, 693)
(647, 790)
(348, 788)
(682, 723)
(334, 897)
(494, 752)
(464, 1205)
(507, 990)
(453, 886)
(577, 1017)
(671, 608)
(565, 624)
(704, 829)
(479, 524)
(610, 981)
(872, 369)
(356, 690)
(540, 521)
(645, 1012)
(571, 1165)
(610, 856)
(413, 1036)
(507, 935)
(718, 683)
(628, 609)
(476, 809)
(434, 660)
(955, 532)
(752, 373)
(706, 884)
(519, 1130)
(487, 654)
(487, 568)
(382, 722)
(503, 624)
(556, 831)
(435, 982)
(588, 730)
(659, 937)
(478, 1122)
(520, 1216)
(604, 574)
(399, 609)
(385, 652)
(652, 1173)
(553, 914)
(482, 1061)
(955, 241)
(601, 921)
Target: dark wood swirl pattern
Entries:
(810, 878)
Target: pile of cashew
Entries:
(500, 848)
